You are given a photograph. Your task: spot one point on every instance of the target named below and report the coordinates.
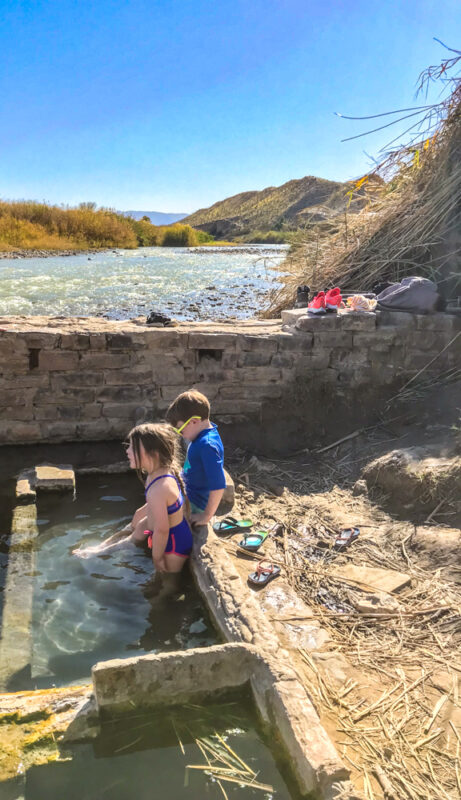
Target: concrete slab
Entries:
(375, 578)
(55, 478)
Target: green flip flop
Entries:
(253, 541)
(232, 525)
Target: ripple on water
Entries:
(123, 284)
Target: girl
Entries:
(151, 451)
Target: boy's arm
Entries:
(214, 500)
(214, 470)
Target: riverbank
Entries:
(5, 254)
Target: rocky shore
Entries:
(47, 253)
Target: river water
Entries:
(185, 283)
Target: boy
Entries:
(204, 475)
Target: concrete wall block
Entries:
(74, 341)
(59, 431)
(188, 358)
(356, 376)
(77, 380)
(165, 340)
(348, 359)
(440, 321)
(64, 394)
(122, 394)
(229, 359)
(96, 429)
(250, 392)
(69, 412)
(103, 360)
(16, 413)
(358, 321)
(211, 341)
(416, 361)
(98, 341)
(262, 375)
(170, 374)
(211, 372)
(426, 340)
(258, 344)
(221, 406)
(132, 411)
(294, 341)
(398, 319)
(332, 339)
(249, 358)
(380, 339)
(56, 360)
(138, 376)
(45, 413)
(40, 340)
(32, 380)
(19, 432)
(319, 323)
(14, 397)
(13, 365)
(283, 360)
(92, 411)
(319, 359)
(125, 341)
(12, 348)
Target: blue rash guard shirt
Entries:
(204, 467)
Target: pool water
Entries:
(146, 757)
(109, 605)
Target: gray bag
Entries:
(417, 295)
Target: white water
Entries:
(185, 283)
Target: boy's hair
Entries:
(188, 404)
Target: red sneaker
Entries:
(317, 305)
(333, 299)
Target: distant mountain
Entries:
(156, 217)
(285, 207)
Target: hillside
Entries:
(156, 217)
(286, 207)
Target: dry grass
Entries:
(396, 718)
(410, 225)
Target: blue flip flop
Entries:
(253, 541)
(232, 525)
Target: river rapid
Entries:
(185, 283)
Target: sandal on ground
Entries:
(253, 541)
(232, 525)
(265, 572)
(345, 538)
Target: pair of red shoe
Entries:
(322, 302)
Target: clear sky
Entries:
(171, 105)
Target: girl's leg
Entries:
(174, 563)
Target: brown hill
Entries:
(287, 207)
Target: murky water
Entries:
(110, 605)
(183, 282)
(142, 758)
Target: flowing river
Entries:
(185, 283)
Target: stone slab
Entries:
(59, 478)
(375, 578)
(290, 316)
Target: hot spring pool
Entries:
(147, 757)
(107, 606)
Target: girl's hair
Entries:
(161, 439)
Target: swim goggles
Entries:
(184, 425)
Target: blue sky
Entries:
(171, 105)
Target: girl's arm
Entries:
(157, 517)
(120, 538)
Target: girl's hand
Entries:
(159, 564)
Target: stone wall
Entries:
(268, 382)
